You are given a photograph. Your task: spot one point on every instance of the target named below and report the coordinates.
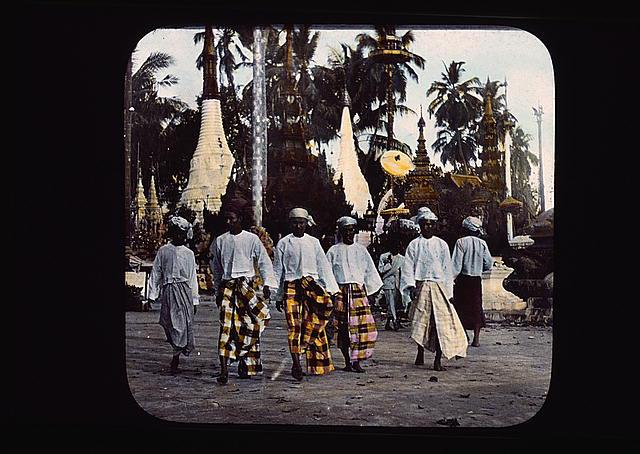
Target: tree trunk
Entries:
(462, 158)
(127, 150)
(390, 105)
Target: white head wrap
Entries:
(301, 213)
(472, 223)
(182, 224)
(346, 220)
(421, 210)
(425, 213)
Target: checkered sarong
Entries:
(308, 308)
(354, 322)
(242, 319)
(434, 320)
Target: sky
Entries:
(508, 53)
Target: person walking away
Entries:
(356, 274)
(243, 309)
(389, 267)
(174, 283)
(426, 278)
(305, 288)
(470, 258)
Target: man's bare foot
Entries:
(357, 368)
(475, 344)
(438, 367)
(347, 368)
(243, 370)
(223, 378)
(296, 372)
(174, 364)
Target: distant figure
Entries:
(174, 284)
(243, 310)
(426, 278)
(470, 258)
(306, 284)
(389, 267)
(356, 274)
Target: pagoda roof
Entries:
(460, 180)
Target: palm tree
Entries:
(228, 49)
(521, 160)
(304, 48)
(451, 145)
(151, 113)
(456, 106)
(390, 79)
(148, 106)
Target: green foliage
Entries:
(456, 107)
(151, 114)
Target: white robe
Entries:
(174, 264)
(353, 264)
(232, 256)
(295, 258)
(427, 260)
(471, 257)
(389, 266)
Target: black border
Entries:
(70, 373)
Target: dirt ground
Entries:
(502, 383)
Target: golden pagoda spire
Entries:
(210, 83)
(420, 181)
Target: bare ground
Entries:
(502, 383)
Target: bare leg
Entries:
(296, 370)
(243, 371)
(420, 356)
(174, 363)
(347, 359)
(436, 363)
(357, 368)
(224, 371)
(476, 337)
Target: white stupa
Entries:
(212, 160)
(356, 188)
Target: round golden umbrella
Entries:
(396, 163)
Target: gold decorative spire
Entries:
(420, 181)
(154, 213)
(210, 83)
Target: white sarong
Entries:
(431, 305)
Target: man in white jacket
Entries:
(174, 283)
(239, 261)
(358, 278)
(426, 277)
(470, 258)
(389, 266)
(305, 288)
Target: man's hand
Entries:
(266, 292)
(195, 310)
(279, 306)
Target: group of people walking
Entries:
(314, 288)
